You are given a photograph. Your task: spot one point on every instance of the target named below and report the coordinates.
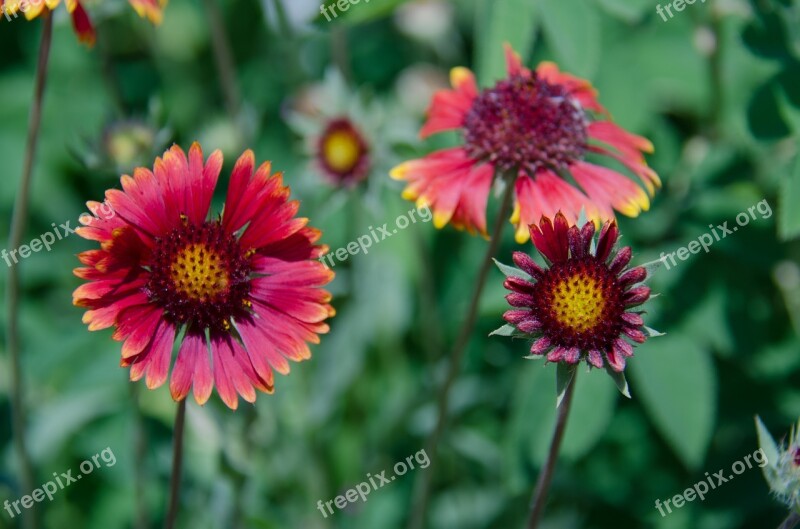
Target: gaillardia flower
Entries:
(583, 305)
(342, 153)
(244, 285)
(537, 127)
(340, 130)
(151, 9)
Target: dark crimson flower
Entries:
(541, 124)
(584, 304)
(342, 153)
(151, 9)
(239, 292)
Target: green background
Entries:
(715, 88)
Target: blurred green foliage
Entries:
(715, 88)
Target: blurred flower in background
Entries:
(537, 125)
(342, 152)
(338, 128)
(164, 270)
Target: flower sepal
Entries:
(510, 271)
(565, 375)
(619, 379)
(777, 478)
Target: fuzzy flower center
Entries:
(199, 273)
(579, 303)
(200, 276)
(528, 123)
(341, 148)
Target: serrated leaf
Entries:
(500, 22)
(676, 381)
(510, 271)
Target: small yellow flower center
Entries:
(199, 273)
(578, 302)
(342, 150)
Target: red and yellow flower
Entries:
(538, 126)
(585, 305)
(150, 9)
(239, 292)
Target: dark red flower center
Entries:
(579, 303)
(526, 123)
(342, 151)
(200, 276)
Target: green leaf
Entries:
(500, 22)
(593, 406)
(788, 198)
(627, 10)
(676, 380)
(572, 29)
(359, 13)
(510, 271)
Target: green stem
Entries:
(539, 498)
(18, 222)
(223, 59)
(139, 453)
(177, 464)
(424, 484)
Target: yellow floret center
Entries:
(199, 273)
(578, 303)
(342, 150)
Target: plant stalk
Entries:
(177, 464)
(18, 223)
(424, 481)
(539, 498)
